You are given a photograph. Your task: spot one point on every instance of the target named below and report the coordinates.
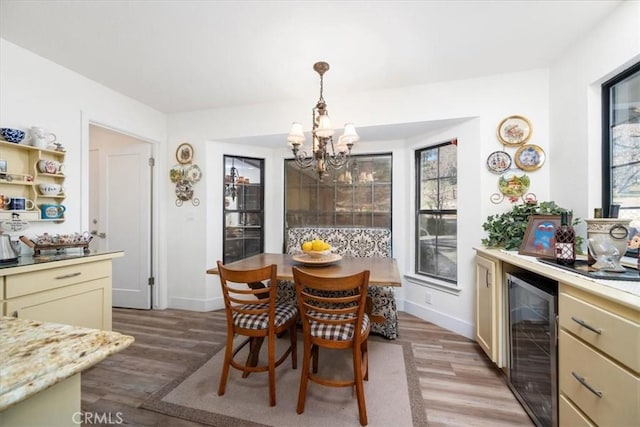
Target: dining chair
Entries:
(333, 317)
(252, 311)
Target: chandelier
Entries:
(325, 155)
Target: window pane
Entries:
(346, 198)
(437, 248)
(436, 221)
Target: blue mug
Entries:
(52, 211)
(19, 203)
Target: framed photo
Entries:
(539, 239)
(184, 153)
(529, 157)
(514, 130)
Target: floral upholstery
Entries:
(355, 242)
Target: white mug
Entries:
(41, 138)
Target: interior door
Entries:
(120, 211)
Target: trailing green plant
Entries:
(507, 230)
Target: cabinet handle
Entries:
(582, 381)
(486, 278)
(586, 325)
(66, 276)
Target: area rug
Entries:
(392, 394)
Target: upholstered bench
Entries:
(355, 242)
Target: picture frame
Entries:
(529, 157)
(539, 238)
(184, 153)
(514, 130)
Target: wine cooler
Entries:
(533, 360)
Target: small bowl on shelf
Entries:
(50, 189)
(12, 135)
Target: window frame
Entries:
(419, 212)
(607, 149)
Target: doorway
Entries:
(120, 211)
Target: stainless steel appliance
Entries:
(533, 355)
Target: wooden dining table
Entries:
(383, 271)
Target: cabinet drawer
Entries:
(619, 389)
(82, 305)
(570, 415)
(612, 334)
(51, 278)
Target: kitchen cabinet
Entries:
(598, 344)
(599, 359)
(489, 308)
(74, 291)
(243, 208)
(23, 177)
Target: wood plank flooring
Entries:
(460, 386)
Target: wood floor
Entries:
(459, 385)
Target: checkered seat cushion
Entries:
(284, 312)
(333, 332)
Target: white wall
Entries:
(37, 92)
(575, 107)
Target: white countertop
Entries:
(623, 292)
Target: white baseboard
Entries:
(193, 304)
(441, 319)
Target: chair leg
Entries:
(272, 370)
(304, 376)
(316, 354)
(357, 371)
(293, 331)
(365, 360)
(225, 366)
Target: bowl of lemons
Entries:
(316, 248)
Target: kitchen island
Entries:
(41, 366)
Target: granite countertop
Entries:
(36, 355)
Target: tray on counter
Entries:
(58, 247)
(582, 267)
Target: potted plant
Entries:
(507, 230)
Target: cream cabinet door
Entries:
(488, 308)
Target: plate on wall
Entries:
(499, 161)
(514, 130)
(310, 261)
(529, 157)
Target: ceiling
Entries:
(179, 56)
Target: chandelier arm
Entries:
(304, 160)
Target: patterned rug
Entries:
(392, 394)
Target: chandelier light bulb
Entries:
(324, 129)
(296, 135)
(350, 135)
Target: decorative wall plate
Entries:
(514, 130)
(193, 173)
(529, 157)
(499, 161)
(512, 185)
(184, 153)
(176, 173)
(184, 190)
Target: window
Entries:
(243, 207)
(357, 196)
(436, 211)
(621, 145)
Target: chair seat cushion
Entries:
(334, 332)
(284, 313)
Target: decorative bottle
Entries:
(565, 241)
